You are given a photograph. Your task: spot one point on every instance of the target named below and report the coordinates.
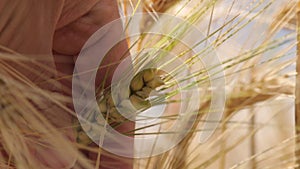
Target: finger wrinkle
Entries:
(73, 10)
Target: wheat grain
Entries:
(141, 87)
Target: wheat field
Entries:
(229, 65)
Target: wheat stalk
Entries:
(259, 91)
(25, 132)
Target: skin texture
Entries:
(55, 31)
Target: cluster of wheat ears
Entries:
(260, 82)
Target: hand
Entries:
(37, 29)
